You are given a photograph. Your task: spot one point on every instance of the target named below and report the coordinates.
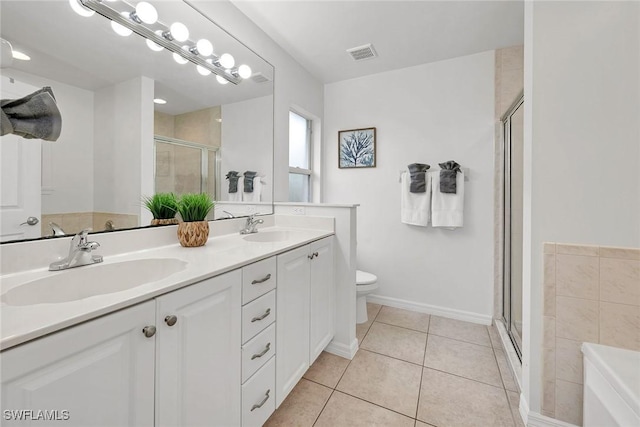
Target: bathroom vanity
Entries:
(221, 340)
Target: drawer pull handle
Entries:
(263, 352)
(257, 318)
(259, 405)
(311, 256)
(149, 331)
(264, 279)
(171, 320)
(315, 254)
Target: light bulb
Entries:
(159, 101)
(81, 9)
(179, 59)
(227, 61)
(244, 71)
(20, 56)
(120, 29)
(221, 80)
(204, 46)
(179, 31)
(146, 12)
(202, 70)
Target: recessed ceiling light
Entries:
(159, 101)
(20, 56)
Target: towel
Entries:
(237, 196)
(233, 176)
(35, 116)
(418, 172)
(248, 181)
(256, 193)
(414, 207)
(447, 208)
(448, 176)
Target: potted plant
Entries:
(194, 208)
(163, 207)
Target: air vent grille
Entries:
(361, 53)
(260, 78)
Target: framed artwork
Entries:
(357, 148)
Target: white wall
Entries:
(429, 114)
(294, 86)
(67, 164)
(247, 127)
(582, 141)
(123, 132)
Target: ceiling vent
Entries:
(260, 78)
(361, 53)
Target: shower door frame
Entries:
(515, 338)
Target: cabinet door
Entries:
(292, 320)
(101, 372)
(198, 356)
(322, 297)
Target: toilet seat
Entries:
(363, 278)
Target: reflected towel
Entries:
(255, 195)
(233, 176)
(447, 208)
(237, 196)
(35, 116)
(414, 207)
(248, 181)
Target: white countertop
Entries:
(221, 254)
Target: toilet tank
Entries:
(611, 386)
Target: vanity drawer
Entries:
(258, 396)
(257, 315)
(258, 279)
(257, 351)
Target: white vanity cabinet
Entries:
(198, 354)
(101, 372)
(305, 301)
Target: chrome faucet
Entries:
(250, 225)
(56, 229)
(79, 253)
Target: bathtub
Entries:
(611, 386)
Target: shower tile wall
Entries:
(591, 294)
(73, 222)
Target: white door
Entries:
(100, 372)
(322, 297)
(20, 182)
(292, 320)
(198, 354)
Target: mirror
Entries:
(117, 145)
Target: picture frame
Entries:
(357, 148)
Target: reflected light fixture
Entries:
(126, 19)
(159, 101)
(20, 56)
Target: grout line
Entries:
(504, 388)
(459, 340)
(376, 404)
(421, 376)
(465, 378)
(403, 327)
(391, 357)
(323, 406)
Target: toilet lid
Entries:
(364, 278)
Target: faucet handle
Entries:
(80, 238)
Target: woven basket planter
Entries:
(193, 234)
(168, 221)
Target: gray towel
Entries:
(35, 116)
(233, 177)
(448, 173)
(248, 181)
(418, 173)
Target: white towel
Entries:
(237, 196)
(447, 209)
(414, 207)
(254, 196)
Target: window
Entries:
(299, 158)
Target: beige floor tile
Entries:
(421, 424)
(448, 400)
(347, 411)
(396, 342)
(404, 318)
(302, 407)
(496, 342)
(361, 331)
(363, 328)
(327, 369)
(459, 330)
(468, 360)
(514, 403)
(372, 311)
(388, 382)
(505, 371)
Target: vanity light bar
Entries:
(116, 16)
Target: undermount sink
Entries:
(98, 279)
(269, 236)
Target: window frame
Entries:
(309, 142)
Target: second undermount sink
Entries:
(269, 236)
(99, 279)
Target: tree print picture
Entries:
(357, 148)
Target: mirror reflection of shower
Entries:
(513, 134)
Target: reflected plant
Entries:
(161, 205)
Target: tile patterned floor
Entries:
(411, 370)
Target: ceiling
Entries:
(404, 33)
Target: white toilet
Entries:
(366, 283)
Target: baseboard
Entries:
(534, 419)
(467, 316)
(343, 350)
